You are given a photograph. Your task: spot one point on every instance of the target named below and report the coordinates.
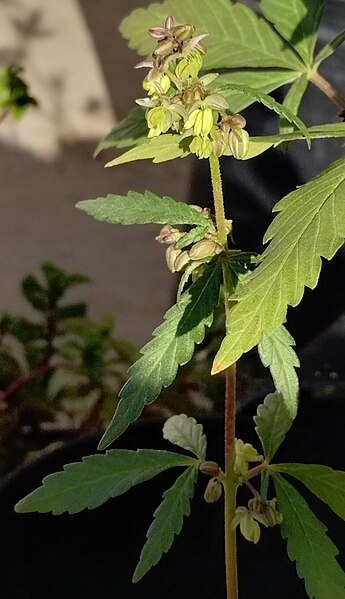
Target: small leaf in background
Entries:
(35, 293)
(185, 432)
(131, 131)
(168, 521)
(14, 92)
(247, 40)
(172, 346)
(275, 352)
(272, 423)
(97, 478)
(310, 224)
(328, 50)
(142, 208)
(161, 149)
(297, 21)
(308, 545)
(293, 100)
(270, 103)
(327, 484)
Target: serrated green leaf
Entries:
(293, 100)
(168, 521)
(131, 131)
(275, 352)
(310, 224)
(258, 145)
(196, 234)
(328, 50)
(238, 37)
(184, 431)
(297, 21)
(272, 423)
(270, 103)
(142, 208)
(160, 149)
(35, 293)
(172, 346)
(265, 81)
(327, 484)
(308, 545)
(97, 478)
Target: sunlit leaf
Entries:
(293, 100)
(160, 149)
(185, 432)
(131, 131)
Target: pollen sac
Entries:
(182, 33)
(181, 261)
(204, 248)
(164, 48)
(239, 143)
(213, 490)
(249, 527)
(209, 468)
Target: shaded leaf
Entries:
(308, 545)
(270, 103)
(272, 423)
(160, 149)
(275, 351)
(97, 478)
(184, 431)
(310, 224)
(196, 234)
(131, 131)
(168, 521)
(71, 311)
(297, 21)
(172, 346)
(140, 209)
(35, 293)
(327, 484)
(238, 36)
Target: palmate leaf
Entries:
(185, 432)
(140, 209)
(265, 81)
(297, 21)
(160, 149)
(97, 478)
(168, 521)
(275, 351)
(310, 224)
(272, 423)
(269, 102)
(258, 145)
(327, 484)
(308, 545)
(238, 37)
(328, 50)
(131, 131)
(172, 346)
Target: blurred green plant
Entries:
(60, 374)
(14, 93)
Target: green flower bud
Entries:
(209, 468)
(213, 490)
(244, 453)
(249, 527)
(189, 66)
(239, 143)
(159, 86)
(201, 120)
(219, 142)
(201, 147)
(159, 120)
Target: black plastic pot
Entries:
(93, 554)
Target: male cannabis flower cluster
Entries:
(179, 101)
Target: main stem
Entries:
(230, 486)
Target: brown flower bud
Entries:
(204, 248)
(181, 261)
(209, 468)
(158, 33)
(164, 48)
(169, 22)
(237, 121)
(171, 255)
(213, 490)
(182, 33)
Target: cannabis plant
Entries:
(185, 112)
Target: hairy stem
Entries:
(218, 199)
(327, 88)
(229, 480)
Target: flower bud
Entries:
(244, 453)
(171, 256)
(239, 143)
(189, 66)
(201, 120)
(164, 48)
(272, 515)
(181, 33)
(237, 121)
(249, 527)
(204, 248)
(168, 235)
(201, 147)
(209, 468)
(181, 261)
(159, 120)
(159, 86)
(158, 33)
(169, 22)
(213, 490)
(216, 102)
